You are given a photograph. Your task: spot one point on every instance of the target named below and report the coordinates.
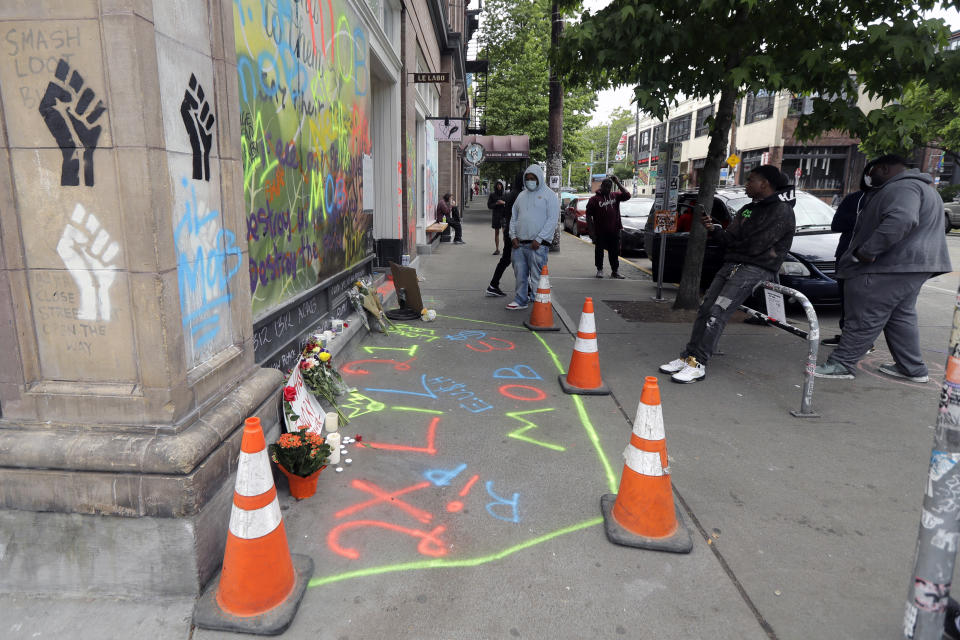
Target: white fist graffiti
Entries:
(87, 252)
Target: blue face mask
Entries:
(531, 185)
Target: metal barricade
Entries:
(812, 336)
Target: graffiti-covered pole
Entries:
(939, 523)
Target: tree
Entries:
(670, 49)
(925, 117)
(515, 38)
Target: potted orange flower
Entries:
(301, 457)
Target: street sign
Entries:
(424, 78)
(665, 221)
(733, 160)
(554, 182)
(470, 170)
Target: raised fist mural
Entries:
(66, 110)
(198, 118)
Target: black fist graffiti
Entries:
(198, 118)
(64, 108)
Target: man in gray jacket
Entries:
(898, 243)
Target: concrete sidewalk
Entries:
(802, 528)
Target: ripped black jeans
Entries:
(730, 287)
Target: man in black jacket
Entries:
(497, 203)
(755, 244)
(493, 289)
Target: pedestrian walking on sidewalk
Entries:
(493, 289)
(898, 244)
(604, 224)
(755, 244)
(844, 221)
(448, 210)
(533, 221)
(497, 203)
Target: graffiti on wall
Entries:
(430, 175)
(89, 255)
(303, 84)
(207, 258)
(198, 119)
(72, 113)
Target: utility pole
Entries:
(555, 125)
(606, 168)
(636, 149)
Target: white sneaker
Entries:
(891, 369)
(673, 366)
(599, 273)
(692, 371)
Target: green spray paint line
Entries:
(612, 481)
(454, 564)
(499, 324)
(433, 411)
(556, 360)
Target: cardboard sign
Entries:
(304, 405)
(665, 221)
(776, 308)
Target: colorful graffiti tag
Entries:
(303, 84)
(430, 494)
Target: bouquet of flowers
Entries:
(320, 375)
(302, 453)
(364, 299)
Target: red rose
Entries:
(345, 325)
(304, 365)
(358, 438)
(289, 394)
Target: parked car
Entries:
(952, 210)
(633, 215)
(810, 264)
(574, 217)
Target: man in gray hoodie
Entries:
(898, 243)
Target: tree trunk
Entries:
(555, 128)
(688, 297)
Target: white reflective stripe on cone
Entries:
(249, 525)
(585, 345)
(544, 282)
(587, 325)
(542, 297)
(645, 463)
(253, 473)
(649, 422)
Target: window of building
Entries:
(680, 128)
(703, 128)
(759, 107)
(645, 140)
(659, 135)
(631, 146)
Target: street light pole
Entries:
(606, 169)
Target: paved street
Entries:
(471, 506)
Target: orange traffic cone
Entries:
(583, 374)
(541, 317)
(643, 514)
(261, 584)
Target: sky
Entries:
(611, 99)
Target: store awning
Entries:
(496, 148)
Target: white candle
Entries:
(331, 423)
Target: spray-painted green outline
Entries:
(518, 434)
(441, 563)
(500, 555)
(433, 411)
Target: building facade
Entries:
(187, 190)
(762, 133)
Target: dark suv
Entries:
(809, 267)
